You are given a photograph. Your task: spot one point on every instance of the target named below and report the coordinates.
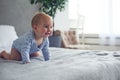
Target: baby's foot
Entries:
(2, 53)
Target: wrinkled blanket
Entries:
(65, 64)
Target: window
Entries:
(101, 16)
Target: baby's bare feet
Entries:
(4, 54)
(1, 54)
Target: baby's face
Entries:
(45, 29)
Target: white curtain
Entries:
(101, 17)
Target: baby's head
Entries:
(42, 25)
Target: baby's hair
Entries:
(38, 17)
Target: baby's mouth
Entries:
(47, 33)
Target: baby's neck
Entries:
(39, 41)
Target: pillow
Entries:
(7, 36)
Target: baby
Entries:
(34, 42)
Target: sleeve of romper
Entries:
(25, 49)
(45, 51)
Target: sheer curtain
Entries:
(101, 17)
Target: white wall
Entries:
(61, 20)
(17, 13)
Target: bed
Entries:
(65, 64)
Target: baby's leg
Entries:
(15, 55)
(37, 54)
(5, 55)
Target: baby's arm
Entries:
(45, 51)
(25, 49)
(25, 57)
(46, 54)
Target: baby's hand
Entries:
(26, 62)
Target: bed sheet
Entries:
(65, 64)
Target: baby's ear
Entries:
(34, 27)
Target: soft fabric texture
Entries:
(26, 45)
(7, 36)
(65, 64)
(70, 40)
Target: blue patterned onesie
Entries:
(26, 45)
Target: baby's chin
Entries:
(46, 36)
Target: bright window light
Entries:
(100, 15)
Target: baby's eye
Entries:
(46, 26)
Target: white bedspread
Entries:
(65, 64)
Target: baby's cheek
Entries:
(43, 30)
